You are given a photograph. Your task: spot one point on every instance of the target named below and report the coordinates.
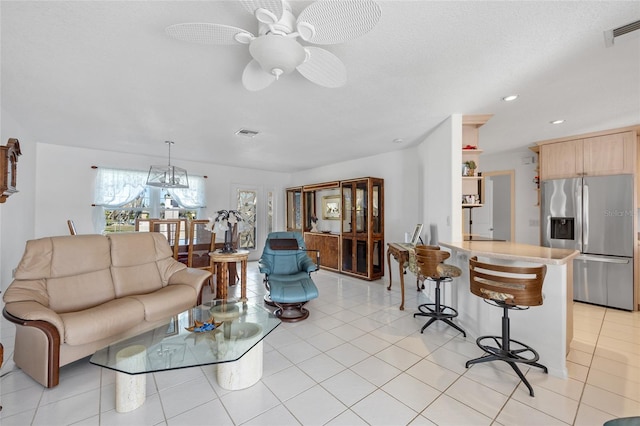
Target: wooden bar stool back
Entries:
(431, 266)
(509, 288)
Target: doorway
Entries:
(496, 218)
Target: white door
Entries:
(481, 218)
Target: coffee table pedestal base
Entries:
(131, 390)
(242, 373)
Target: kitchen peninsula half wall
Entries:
(548, 328)
(344, 220)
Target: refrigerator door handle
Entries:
(585, 223)
(603, 259)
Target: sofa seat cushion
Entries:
(109, 319)
(167, 301)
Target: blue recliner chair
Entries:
(287, 269)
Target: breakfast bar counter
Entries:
(547, 328)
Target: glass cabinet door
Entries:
(309, 209)
(347, 216)
(376, 198)
(362, 206)
(294, 209)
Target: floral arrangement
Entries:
(223, 222)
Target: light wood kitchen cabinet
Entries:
(609, 154)
(603, 155)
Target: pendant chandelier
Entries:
(168, 176)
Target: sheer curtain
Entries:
(117, 187)
(192, 197)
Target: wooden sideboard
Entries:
(329, 246)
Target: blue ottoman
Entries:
(290, 293)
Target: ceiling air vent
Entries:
(247, 133)
(610, 35)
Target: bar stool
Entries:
(419, 250)
(431, 267)
(509, 288)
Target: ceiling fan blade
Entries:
(207, 33)
(334, 21)
(273, 9)
(255, 78)
(323, 68)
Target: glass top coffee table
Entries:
(189, 339)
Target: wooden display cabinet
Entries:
(362, 236)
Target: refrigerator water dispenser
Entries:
(562, 228)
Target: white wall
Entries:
(17, 213)
(440, 156)
(399, 169)
(65, 186)
(526, 196)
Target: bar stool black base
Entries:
(503, 351)
(438, 312)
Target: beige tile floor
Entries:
(357, 360)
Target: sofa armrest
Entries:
(33, 311)
(192, 277)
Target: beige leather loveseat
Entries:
(73, 295)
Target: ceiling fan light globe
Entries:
(274, 52)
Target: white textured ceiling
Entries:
(105, 75)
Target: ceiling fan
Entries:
(276, 49)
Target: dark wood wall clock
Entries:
(8, 168)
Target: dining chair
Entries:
(170, 228)
(201, 242)
(143, 225)
(72, 227)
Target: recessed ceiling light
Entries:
(510, 98)
(557, 122)
(398, 140)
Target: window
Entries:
(122, 196)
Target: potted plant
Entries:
(471, 166)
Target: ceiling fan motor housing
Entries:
(285, 25)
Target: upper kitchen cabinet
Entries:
(602, 154)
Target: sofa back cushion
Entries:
(141, 262)
(74, 268)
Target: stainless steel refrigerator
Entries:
(595, 216)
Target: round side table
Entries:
(220, 265)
